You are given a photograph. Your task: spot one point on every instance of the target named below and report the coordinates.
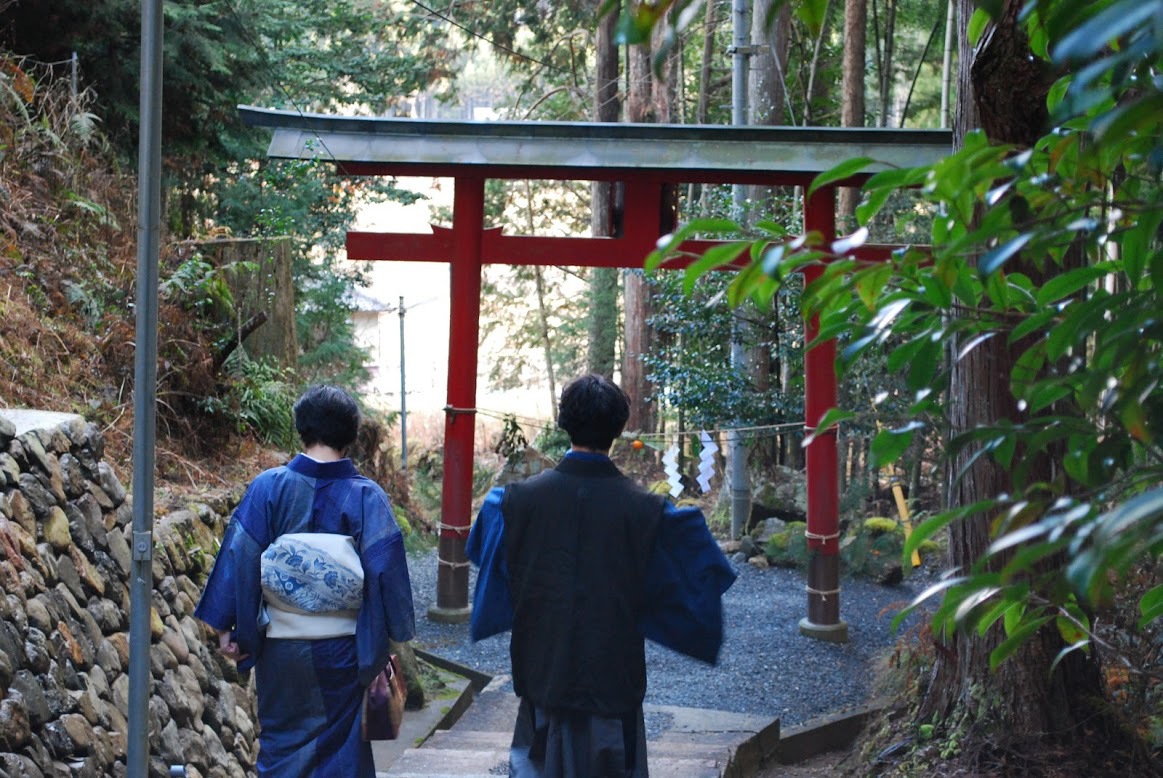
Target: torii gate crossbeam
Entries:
(645, 159)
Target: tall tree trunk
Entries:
(648, 99)
(771, 36)
(767, 86)
(603, 291)
(885, 29)
(546, 345)
(708, 60)
(542, 312)
(816, 90)
(703, 101)
(852, 90)
(1002, 90)
(768, 105)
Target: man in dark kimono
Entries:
(310, 584)
(583, 564)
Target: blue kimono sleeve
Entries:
(233, 593)
(685, 581)
(492, 608)
(387, 611)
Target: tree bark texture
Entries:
(1020, 702)
(636, 307)
(886, 48)
(603, 293)
(767, 100)
(649, 99)
(852, 85)
(546, 344)
(771, 36)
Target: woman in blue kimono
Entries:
(582, 564)
(310, 584)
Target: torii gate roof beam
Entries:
(587, 150)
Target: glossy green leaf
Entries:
(1136, 244)
(1013, 618)
(1095, 34)
(1068, 283)
(888, 445)
(897, 178)
(993, 8)
(845, 169)
(829, 420)
(1015, 641)
(1156, 267)
(1043, 394)
(937, 293)
(1142, 115)
(1033, 323)
(812, 13)
(989, 617)
(668, 245)
(996, 257)
(870, 285)
(1076, 628)
(924, 368)
(1151, 606)
(977, 24)
(928, 593)
(926, 529)
(1027, 368)
(1066, 651)
(713, 258)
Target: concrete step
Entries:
(479, 763)
(469, 739)
(683, 742)
(463, 763)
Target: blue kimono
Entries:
(685, 579)
(310, 691)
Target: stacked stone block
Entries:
(65, 560)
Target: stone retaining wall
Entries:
(65, 561)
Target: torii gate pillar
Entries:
(823, 531)
(468, 215)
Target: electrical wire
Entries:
(487, 40)
(261, 51)
(756, 431)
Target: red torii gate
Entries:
(646, 160)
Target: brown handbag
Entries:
(383, 703)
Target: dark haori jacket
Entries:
(583, 564)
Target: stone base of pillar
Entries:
(832, 633)
(450, 615)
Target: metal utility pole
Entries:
(149, 174)
(403, 396)
(947, 64)
(736, 450)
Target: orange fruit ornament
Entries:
(637, 445)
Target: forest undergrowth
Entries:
(68, 253)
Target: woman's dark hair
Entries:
(593, 410)
(327, 414)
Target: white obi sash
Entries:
(312, 584)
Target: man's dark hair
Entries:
(327, 414)
(593, 410)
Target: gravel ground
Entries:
(765, 667)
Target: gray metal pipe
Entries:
(403, 397)
(947, 64)
(736, 448)
(149, 173)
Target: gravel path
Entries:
(765, 667)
